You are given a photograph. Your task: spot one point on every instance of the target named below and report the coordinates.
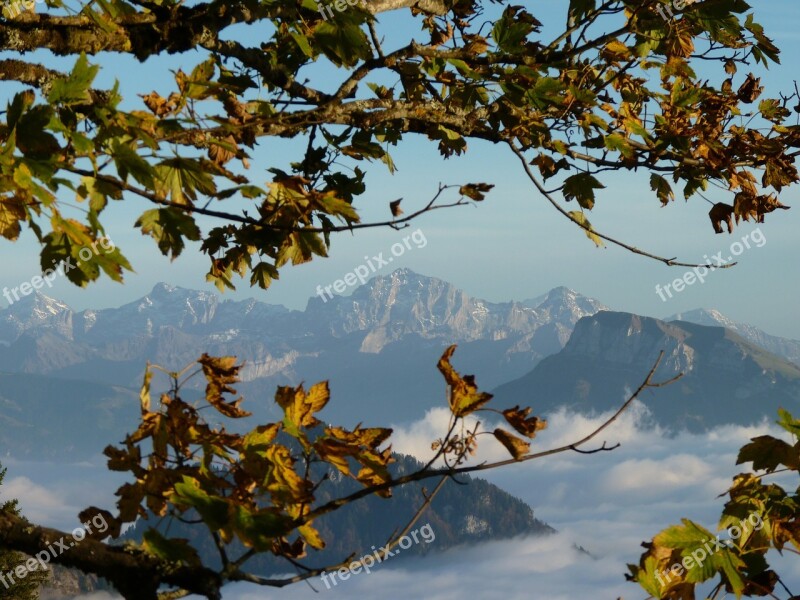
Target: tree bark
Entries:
(135, 575)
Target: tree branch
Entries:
(670, 262)
(134, 574)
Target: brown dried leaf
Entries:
(220, 372)
(515, 446)
(750, 90)
(721, 212)
(222, 154)
(519, 420)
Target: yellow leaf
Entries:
(311, 536)
(464, 395)
(12, 211)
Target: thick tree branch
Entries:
(134, 574)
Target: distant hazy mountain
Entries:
(378, 347)
(727, 379)
(787, 348)
(55, 419)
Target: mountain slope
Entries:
(726, 378)
(56, 419)
(459, 514)
(785, 347)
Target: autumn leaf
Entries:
(220, 372)
(519, 420)
(662, 188)
(395, 207)
(515, 446)
(751, 89)
(223, 151)
(464, 395)
(300, 407)
(581, 220)
(12, 212)
(768, 453)
(720, 213)
(311, 536)
(581, 187)
(475, 191)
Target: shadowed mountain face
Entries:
(378, 347)
(787, 348)
(726, 378)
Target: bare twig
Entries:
(670, 262)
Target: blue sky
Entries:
(513, 245)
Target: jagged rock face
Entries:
(36, 313)
(404, 303)
(631, 340)
(378, 347)
(787, 348)
(171, 324)
(68, 583)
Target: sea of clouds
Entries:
(606, 503)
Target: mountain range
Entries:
(378, 348)
(725, 377)
(379, 345)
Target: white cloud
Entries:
(606, 503)
(36, 501)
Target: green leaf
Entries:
(129, 162)
(169, 226)
(299, 247)
(729, 563)
(620, 144)
(182, 178)
(302, 43)
(788, 422)
(662, 188)
(339, 208)
(200, 80)
(581, 187)
(97, 192)
(175, 550)
(32, 138)
(74, 88)
(213, 510)
(258, 530)
(510, 31)
(21, 103)
(263, 274)
(343, 43)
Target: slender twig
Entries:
(671, 262)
